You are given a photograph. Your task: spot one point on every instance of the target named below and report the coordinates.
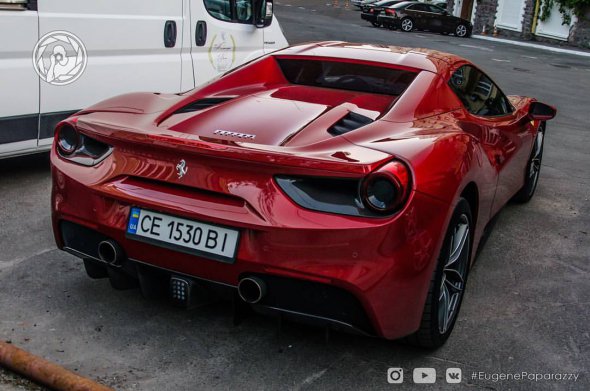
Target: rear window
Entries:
(384, 3)
(347, 76)
(402, 5)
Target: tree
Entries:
(566, 8)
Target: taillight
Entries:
(386, 190)
(380, 194)
(390, 12)
(371, 10)
(79, 148)
(68, 139)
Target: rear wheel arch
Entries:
(429, 333)
(471, 194)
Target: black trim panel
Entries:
(50, 120)
(30, 126)
(18, 128)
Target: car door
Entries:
(420, 15)
(436, 21)
(131, 45)
(19, 85)
(223, 36)
(507, 131)
(451, 22)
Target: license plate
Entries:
(188, 236)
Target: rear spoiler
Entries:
(335, 154)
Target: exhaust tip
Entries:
(251, 289)
(110, 252)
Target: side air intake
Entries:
(202, 104)
(349, 122)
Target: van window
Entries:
(244, 11)
(239, 11)
(479, 94)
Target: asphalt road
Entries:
(526, 307)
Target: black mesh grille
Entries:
(316, 299)
(80, 238)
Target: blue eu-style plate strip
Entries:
(133, 220)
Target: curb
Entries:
(534, 45)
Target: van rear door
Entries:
(223, 36)
(130, 47)
(19, 84)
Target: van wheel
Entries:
(448, 282)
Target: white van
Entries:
(131, 45)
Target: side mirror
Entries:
(263, 12)
(541, 112)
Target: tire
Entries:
(448, 280)
(533, 169)
(376, 24)
(461, 31)
(407, 25)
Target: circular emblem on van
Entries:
(222, 52)
(59, 58)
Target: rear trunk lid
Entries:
(286, 116)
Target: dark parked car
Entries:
(361, 3)
(412, 15)
(371, 11)
(442, 4)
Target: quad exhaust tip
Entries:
(251, 289)
(110, 252)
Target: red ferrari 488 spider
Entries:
(342, 184)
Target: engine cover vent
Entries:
(349, 122)
(202, 104)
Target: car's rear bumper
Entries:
(369, 17)
(377, 271)
(389, 21)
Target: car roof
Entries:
(384, 1)
(417, 58)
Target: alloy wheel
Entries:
(461, 30)
(454, 274)
(535, 165)
(407, 25)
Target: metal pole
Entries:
(44, 372)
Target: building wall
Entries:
(580, 35)
(450, 6)
(485, 15)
